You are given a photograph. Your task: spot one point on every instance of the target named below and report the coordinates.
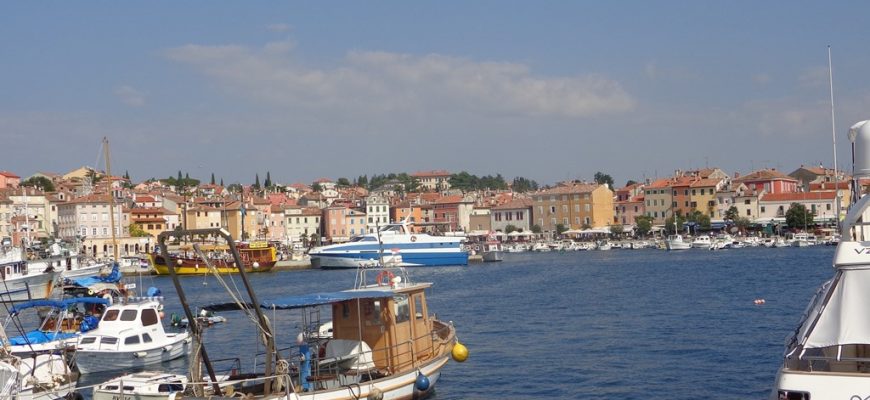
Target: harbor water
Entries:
(626, 324)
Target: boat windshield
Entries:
(363, 239)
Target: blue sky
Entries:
(545, 90)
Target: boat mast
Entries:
(111, 198)
(834, 136)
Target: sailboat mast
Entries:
(834, 137)
(111, 197)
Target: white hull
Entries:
(822, 385)
(32, 286)
(90, 361)
(674, 245)
(490, 256)
(85, 270)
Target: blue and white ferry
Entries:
(398, 246)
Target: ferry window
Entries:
(128, 315)
(149, 317)
(418, 307)
(146, 338)
(401, 308)
(132, 340)
(111, 315)
(88, 340)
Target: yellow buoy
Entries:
(460, 352)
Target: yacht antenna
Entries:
(834, 137)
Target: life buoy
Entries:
(413, 238)
(385, 274)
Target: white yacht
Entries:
(800, 240)
(21, 280)
(146, 385)
(828, 355)
(702, 242)
(129, 335)
(676, 242)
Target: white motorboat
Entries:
(828, 355)
(23, 281)
(415, 249)
(541, 247)
(604, 245)
(37, 377)
(141, 386)
(676, 242)
(800, 240)
(701, 242)
(491, 251)
(129, 335)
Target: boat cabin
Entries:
(126, 326)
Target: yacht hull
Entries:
(821, 385)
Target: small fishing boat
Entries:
(491, 251)
(255, 256)
(129, 336)
(64, 321)
(36, 377)
(146, 385)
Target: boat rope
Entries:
(350, 386)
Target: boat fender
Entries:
(167, 347)
(375, 394)
(385, 278)
(459, 352)
(74, 396)
(422, 382)
(140, 354)
(413, 238)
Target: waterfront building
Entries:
(7, 211)
(437, 180)
(658, 200)
(769, 181)
(9, 180)
(154, 220)
(629, 204)
(480, 220)
(302, 224)
(201, 216)
(277, 232)
(774, 206)
(574, 206)
(377, 212)
(31, 217)
(405, 210)
(702, 195)
(517, 212)
(805, 175)
(453, 213)
(341, 223)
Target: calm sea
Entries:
(619, 324)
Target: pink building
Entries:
(8, 179)
(769, 181)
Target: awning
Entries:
(307, 300)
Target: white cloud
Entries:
(278, 28)
(389, 82)
(130, 96)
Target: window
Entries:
(564, 208)
(694, 192)
(747, 202)
(553, 209)
(88, 340)
(149, 317)
(94, 231)
(131, 340)
(418, 306)
(402, 308)
(109, 340)
(748, 212)
(828, 207)
(565, 221)
(762, 209)
(129, 315)
(576, 208)
(586, 207)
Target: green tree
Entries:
(463, 181)
(363, 181)
(510, 228)
(522, 185)
(731, 214)
(616, 229)
(742, 223)
(644, 224)
(222, 182)
(798, 216)
(536, 228)
(669, 223)
(212, 178)
(137, 231)
(257, 181)
(630, 182)
(235, 188)
(410, 183)
(268, 182)
(40, 182)
(342, 182)
(560, 228)
(316, 187)
(602, 178)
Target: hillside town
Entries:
(75, 206)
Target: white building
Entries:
(377, 211)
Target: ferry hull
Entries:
(354, 260)
(822, 385)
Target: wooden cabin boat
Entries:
(255, 256)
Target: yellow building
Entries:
(573, 205)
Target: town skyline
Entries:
(547, 92)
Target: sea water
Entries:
(619, 324)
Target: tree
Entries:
(644, 224)
(268, 182)
(222, 182)
(731, 214)
(536, 228)
(521, 185)
(742, 223)
(212, 178)
(630, 182)
(616, 229)
(602, 178)
(669, 223)
(137, 231)
(316, 187)
(560, 228)
(342, 182)
(257, 181)
(40, 182)
(235, 188)
(798, 217)
(510, 228)
(363, 181)
(179, 183)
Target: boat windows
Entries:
(792, 395)
(149, 317)
(170, 387)
(132, 340)
(109, 340)
(128, 315)
(111, 315)
(88, 340)
(418, 306)
(401, 308)
(146, 338)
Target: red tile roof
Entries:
(764, 175)
(9, 174)
(431, 174)
(804, 196)
(515, 204)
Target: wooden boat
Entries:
(255, 256)
(385, 343)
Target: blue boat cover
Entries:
(59, 304)
(113, 277)
(37, 337)
(317, 299)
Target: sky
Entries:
(550, 91)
